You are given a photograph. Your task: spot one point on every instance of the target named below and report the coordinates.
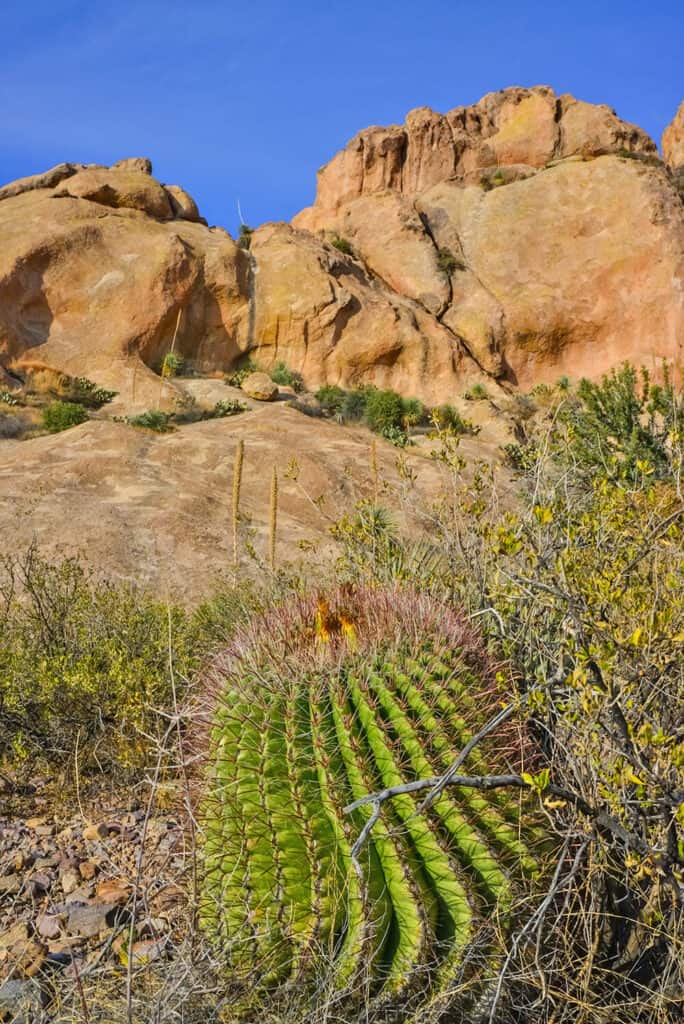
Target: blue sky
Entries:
(239, 101)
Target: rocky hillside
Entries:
(521, 238)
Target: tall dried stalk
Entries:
(164, 374)
(237, 487)
(273, 523)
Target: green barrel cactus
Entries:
(314, 706)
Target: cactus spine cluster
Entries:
(313, 710)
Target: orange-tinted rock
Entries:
(513, 126)
(124, 188)
(260, 386)
(673, 141)
(134, 163)
(182, 204)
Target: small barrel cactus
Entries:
(315, 705)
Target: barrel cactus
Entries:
(315, 705)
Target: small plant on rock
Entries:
(280, 374)
(342, 245)
(58, 416)
(447, 262)
(241, 371)
(245, 236)
(228, 407)
(476, 393)
(152, 419)
(383, 409)
(86, 392)
(171, 365)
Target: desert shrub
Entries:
(521, 457)
(306, 408)
(383, 409)
(476, 393)
(316, 704)
(58, 416)
(171, 365)
(342, 245)
(227, 407)
(87, 393)
(84, 665)
(446, 417)
(396, 436)
(580, 586)
(413, 412)
(280, 374)
(332, 399)
(243, 368)
(623, 425)
(152, 419)
(245, 236)
(354, 406)
(7, 398)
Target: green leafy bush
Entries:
(332, 399)
(476, 393)
(152, 419)
(623, 424)
(58, 416)
(227, 407)
(446, 417)
(245, 236)
(85, 392)
(396, 436)
(242, 370)
(383, 409)
(84, 665)
(413, 412)
(354, 407)
(171, 365)
(342, 245)
(280, 374)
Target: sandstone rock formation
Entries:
(543, 233)
(673, 141)
(524, 237)
(260, 386)
(527, 127)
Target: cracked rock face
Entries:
(673, 141)
(543, 233)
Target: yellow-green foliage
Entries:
(315, 707)
(84, 665)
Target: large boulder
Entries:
(260, 386)
(121, 188)
(542, 232)
(95, 283)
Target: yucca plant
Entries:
(315, 705)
